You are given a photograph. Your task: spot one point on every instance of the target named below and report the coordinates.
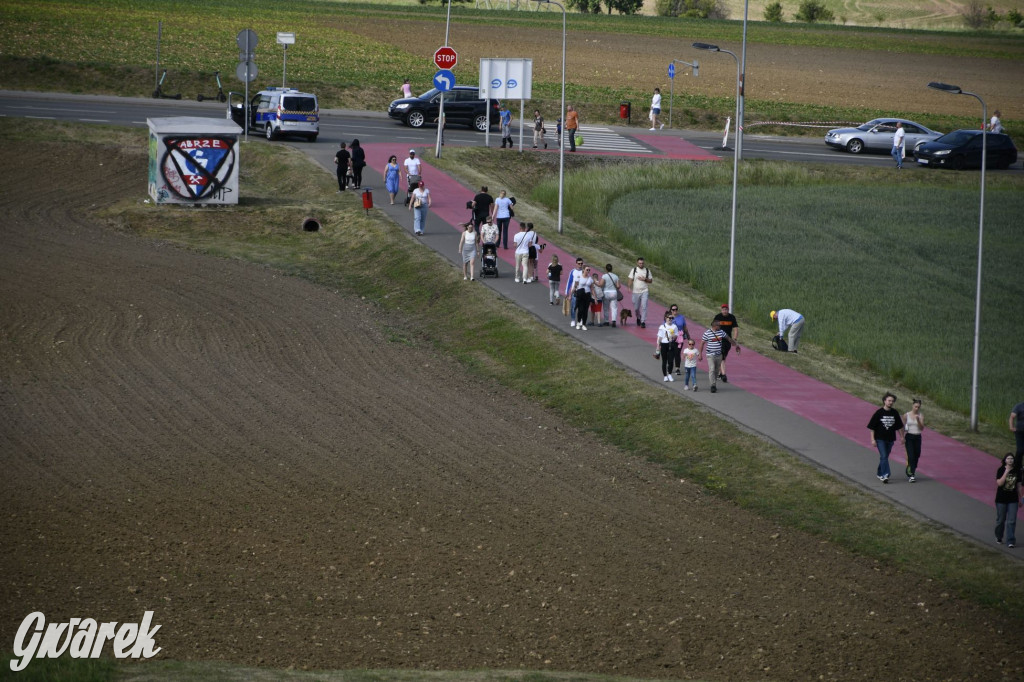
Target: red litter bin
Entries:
(626, 111)
(367, 200)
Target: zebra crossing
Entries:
(595, 139)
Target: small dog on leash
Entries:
(624, 315)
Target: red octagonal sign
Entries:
(445, 58)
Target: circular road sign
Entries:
(247, 71)
(445, 58)
(247, 40)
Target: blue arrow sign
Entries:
(671, 70)
(444, 80)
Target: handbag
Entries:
(579, 140)
(565, 306)
(618, 295)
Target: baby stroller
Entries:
(489, 260)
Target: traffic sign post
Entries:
(445, 58)
(285, 39)
(695, 65)
(444, 80)
(246, 71)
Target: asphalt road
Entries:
(369, 127)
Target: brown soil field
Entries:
(257, 460)
(834, 77)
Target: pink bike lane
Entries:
(944, 460)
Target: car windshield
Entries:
(957, 137)
(429, 94)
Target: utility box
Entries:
(193, 160)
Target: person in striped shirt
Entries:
(711, 346)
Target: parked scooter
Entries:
(159, 93)
(220, 96)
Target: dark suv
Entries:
(462, 105)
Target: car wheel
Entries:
(957, 163)
(855, 146)
(312, 138)
(480, 123)
(415, 119)
(269, 131)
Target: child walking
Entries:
(690, 365)
(554, 280)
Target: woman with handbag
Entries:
(418, 204)
(612, 295)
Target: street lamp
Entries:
(955, 90)
(716, 48)
(561, 141)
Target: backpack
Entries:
(779, 343)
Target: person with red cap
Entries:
(727, 321)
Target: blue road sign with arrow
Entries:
(671, 70)
(444, 80)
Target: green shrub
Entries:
(1014, 17)
(813, 11)
(773, 12)
(694, 9)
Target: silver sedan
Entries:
(876, 135)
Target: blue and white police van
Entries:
(279, 112)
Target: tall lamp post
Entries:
(561, 140)
(955, 90)
(735, 162)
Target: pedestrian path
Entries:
(955, 483)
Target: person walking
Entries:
(1007, 500)
(914, 422)
(506, 126)
(482, 203)
(583, 292)
(666, 339)
(412, 174)
(899, 139)
(419, 204)
(575, 275)
(538, 129)
(406, 89)
(690, 365)
(885, 425)
(572, 124)
(501, 211)
(392, 178)
(711, 347)
(639, 280)
(791, 320)
(522, 242)
(995, 125)
(1017, 426)
(684, 333)
(469, 247)
(610, 284)
(554, 279)
(343, 161)
(730, 326)
(656, 109)
(358, 163)
(489, 232)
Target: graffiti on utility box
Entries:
(193, 161)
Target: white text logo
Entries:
(81, 638)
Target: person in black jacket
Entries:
(886, 423)
(358, 163)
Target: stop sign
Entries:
(445, 58)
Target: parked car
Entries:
(876, 135)
(462, 105)
(962, 149)
(279, 112)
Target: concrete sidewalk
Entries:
(955, 483)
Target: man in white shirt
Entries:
(656, 108)
(522, 241)
(995, 125)
(639, 278)
(898, 140)
(412, 173)
(792, 320)
(575, 275)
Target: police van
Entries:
(279, 112)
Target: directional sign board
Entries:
(671, 70)
(445, 58)
(444, 80)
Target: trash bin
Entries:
(367, 200)
(626, 111)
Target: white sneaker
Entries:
(662, 126)
(517, 280)
(671, 378)
(584, 327)
(650, 128)
(572, 324)
(686, 388)
(666, 378)
(579, 325)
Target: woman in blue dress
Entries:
(391, 177)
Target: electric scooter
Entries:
(220, 96)
(159, 93)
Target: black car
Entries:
(462, 105)
(962, 149)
